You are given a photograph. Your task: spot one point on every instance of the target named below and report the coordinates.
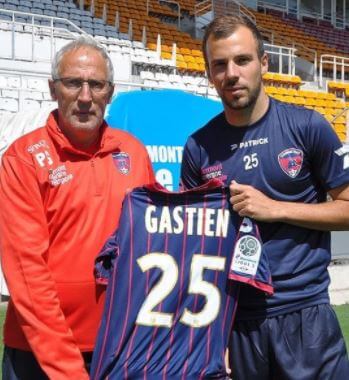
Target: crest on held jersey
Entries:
(291, 161)
(122, 162)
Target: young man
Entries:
(280, 161)
(61, 189)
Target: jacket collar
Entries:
(109, 142)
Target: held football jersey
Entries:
(170, 303)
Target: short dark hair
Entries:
(224, 26)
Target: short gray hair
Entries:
(82, 41)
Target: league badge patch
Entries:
(250, 262)
(247, 254)
(291, 161)
(247, 250)
(122, 162)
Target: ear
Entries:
(264, 63)
(51, 85)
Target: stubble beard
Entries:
(249, 101)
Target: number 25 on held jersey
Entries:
(173, 269)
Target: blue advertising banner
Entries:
(162, 120)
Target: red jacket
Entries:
(58, 206)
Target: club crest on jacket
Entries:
(122, 162)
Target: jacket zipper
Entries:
(95, 177)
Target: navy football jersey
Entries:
(291, 154)
(171, 293)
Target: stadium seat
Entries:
(29, 104)
(8, 104)
(298, 100)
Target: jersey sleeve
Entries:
(329, 161)
(105, 260)
(24, 248)
(190, 168)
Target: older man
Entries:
(61, 189)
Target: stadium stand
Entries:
(156, 44)
(283, 30)
(152, 50)
(325, 32)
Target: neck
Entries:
(83, 139)
(249, 115)
(87, 142)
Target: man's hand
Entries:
(248, 201)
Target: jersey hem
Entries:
(280, 310)
(266, 288)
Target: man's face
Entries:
(235, 69)
(81, 109)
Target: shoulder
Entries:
(306, 127)
(292, 110)
(209, 129)
(122, 135)
(297, 117)
(24, 146)
(125, 140)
